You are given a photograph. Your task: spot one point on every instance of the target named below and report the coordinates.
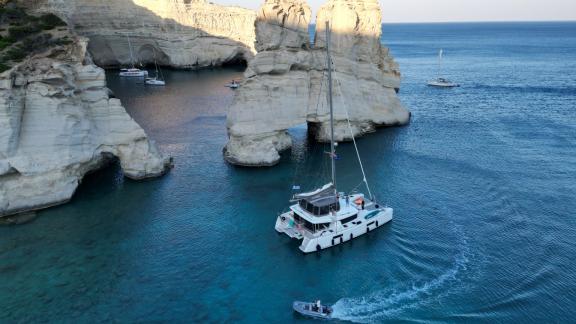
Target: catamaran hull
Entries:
(140, 74)
(366, 222)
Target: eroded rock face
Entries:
(285, 84)
(57, 123)
(181, 33)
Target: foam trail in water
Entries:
(386, 303)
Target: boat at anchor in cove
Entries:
(132, 72)
(325, 217)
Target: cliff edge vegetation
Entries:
(22, 34)
(57, 119)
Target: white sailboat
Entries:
(441, 82)
(325, 217)
(158, 79)
(132, 71)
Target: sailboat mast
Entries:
(155, 61)
(131, 54)
(440, 63)
(329, 65)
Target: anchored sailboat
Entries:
(325, 217)
(132, 71)
(440, 81)
(158, 79)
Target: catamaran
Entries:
(441, 82)
(325, 217)
(158, 79)
(132, 71)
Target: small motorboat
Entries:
(442, 83)
(315, 310)
(233, 85)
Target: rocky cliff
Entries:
(285, 84)
(181, 33)
(57, 122)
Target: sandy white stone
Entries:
(285, 83)
(182, 34)
(57, 123)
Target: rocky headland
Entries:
(285, 83)
(57, 119)
(180, 33)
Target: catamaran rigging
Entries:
(132, 71)
(325, 217)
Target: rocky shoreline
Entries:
(181, 34)
(57, 123)
(285, 83)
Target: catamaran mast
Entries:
(332, 146)
(131, 54)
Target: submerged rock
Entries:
(18, 219)
(285, 84)
(57, 123)
(180, 33)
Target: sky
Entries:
(456, 10)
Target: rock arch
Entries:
(283, 82)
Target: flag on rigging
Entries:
(334, 156)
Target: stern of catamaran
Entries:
(286, 224)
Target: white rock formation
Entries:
(57, 123)
(285, 84)
(182, 33)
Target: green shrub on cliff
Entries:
(19, 32)
(51, 21)
(63, 41)
(5, 42)
(13, 13)
(16, 54)
(25, 34)
(3, 67)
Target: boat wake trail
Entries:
(389, 303)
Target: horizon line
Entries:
(474, 21)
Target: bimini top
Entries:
(319, 202)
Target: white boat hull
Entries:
(366, 222)
(154, 82)
(134, 74)
(439, 84)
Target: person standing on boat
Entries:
(347, 200)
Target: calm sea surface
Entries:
(483, 182)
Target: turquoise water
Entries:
(482, 182)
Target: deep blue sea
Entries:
(483, 182)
